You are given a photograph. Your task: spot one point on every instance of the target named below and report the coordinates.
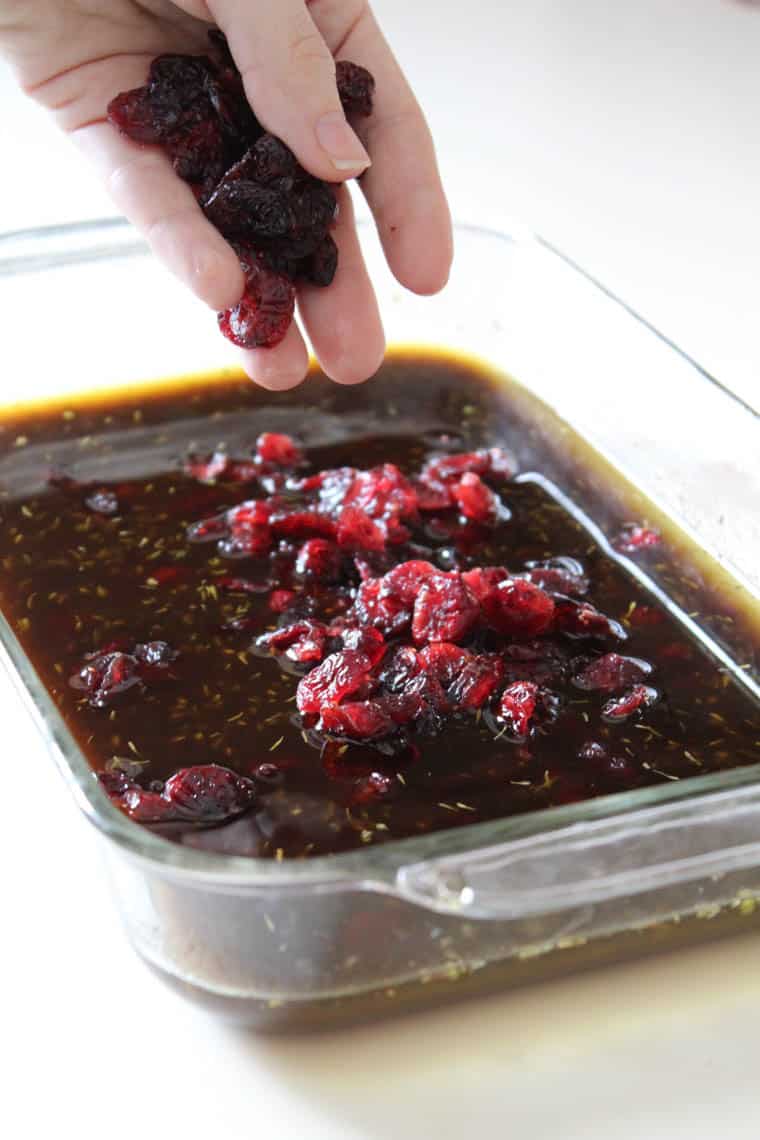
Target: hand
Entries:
(73, 57)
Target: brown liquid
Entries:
(72, 580)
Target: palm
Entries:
(74, 57)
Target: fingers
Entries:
(343, 321)
(281, 367)
(403, 186)
(289, 77)
(143, 185)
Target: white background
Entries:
(628, 135)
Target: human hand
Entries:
(73, 57)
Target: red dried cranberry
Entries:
(303, 642)
(443, 661)
(281, 600)
(610, 673)
(517, 608)
(282, 450)
(645, 616)
(482, 581)
(633, 538)
(263, 314)
(580, 619)
(385, 612)
(107, 676)
(383, 492)
(432, 495)
(303, 524)
(404, 581)
(620, 708)
(357, 531)
(558, 575)
(358, 720)
(518, 704)
(475, 500)
(339, 675)
(356, 86)
(319, 268)
(476, 682)
(368, 641)
(319, 558)
(208, 793)
(444, 609)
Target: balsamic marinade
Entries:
(143, 593)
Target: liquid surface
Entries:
(80, 572)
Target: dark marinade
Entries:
(153, 644)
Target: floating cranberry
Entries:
(477, 682)
(444, 609)
(518, 608)
(368, 641)
(107, 676)
(209, 793)
(269, 775)
(633, 538)
(357, 531)
(518, 704)
(610, 673)
(282, 450)
(303, 642)
(404, 581)
(482, 581)
(559, 576)
(340, 675)
(157, 654)
(443, 661)
(303, 524)
(620, 708)
(385, 611)
(645, 616)
(432, 495)
(580, 619)
(476, 501)
(319, 558)
(281, 600)
(358, 720)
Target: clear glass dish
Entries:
(86, 309)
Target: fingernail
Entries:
(344, 148)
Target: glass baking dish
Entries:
(324, 940)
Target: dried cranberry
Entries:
(476, 501)
(209, 793)
(270, 775)
(518, 704)
(580, 619)
(356, 86)
(444, 609)
(384, 611)
(620, 708)
(281, 600)
(358, 720)
(558, 575)
(633, 538)
(399, 667)
(156, 654)
(383, 492)
(476, 682)
(107, 676)
(432, 495)
(404, 581)
(443, 661)
(517, 608)
(357, 531)
(303, 642)
(610, 673)
(482, 581)
(368, 641)
(340, 675)
(303, 524)
(319, 558)
(262, 316)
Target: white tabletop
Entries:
(627, 134)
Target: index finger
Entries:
(403, 186)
